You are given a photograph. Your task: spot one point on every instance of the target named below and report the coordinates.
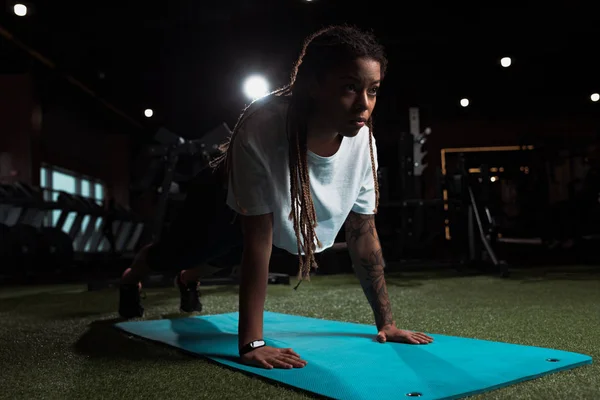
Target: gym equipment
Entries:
(55, 249)
(85, 224)
(25, 249)
(9, 213)
(511, 198)
(91, 223)
(126, 229)
(134, 237)
(412, 227)
(472, 190)
(71, 215)
(28, 247)
(345, 362)
(483, 236)
(171, 150)
(6, 252)
(21, 204)
(29, 202)
(34, 241)
(420, 222)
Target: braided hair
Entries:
(322, 51)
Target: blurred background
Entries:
(487, 126)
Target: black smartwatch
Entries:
(255, 344)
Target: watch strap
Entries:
(253, 345)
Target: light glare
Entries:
(464, 102)
(505, 62)
(256, 87)
(148, 112)
(20, 10)
(595, 97)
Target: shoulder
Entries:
(263, 119)
(363, 137)
(359, 149)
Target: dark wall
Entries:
(17, 136)
(38, 128)
(74, 143)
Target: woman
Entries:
(301, 164)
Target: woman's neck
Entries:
(322, 140)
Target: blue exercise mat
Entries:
(345, 362)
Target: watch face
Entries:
(257, 343)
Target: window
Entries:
(54, 180)
(99, 196)
(85, 188)
(43, 173)
(63, 182)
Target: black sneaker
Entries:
(130, 304)
(189, 295)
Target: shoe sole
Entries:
(176, 283)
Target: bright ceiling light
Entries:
(20, 10)
(255, 87)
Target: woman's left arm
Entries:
(367, 259)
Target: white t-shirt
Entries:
(261, 179)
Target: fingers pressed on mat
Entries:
(293, 361)
(282, 364)
(290, 351)
(428, 339)
(292, 356)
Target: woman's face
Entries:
(346, 97)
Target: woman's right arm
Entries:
(250, 194)
(254, 273)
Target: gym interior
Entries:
(489, 214)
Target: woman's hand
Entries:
(390, 333)
(270, 357)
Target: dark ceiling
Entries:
(187, 59)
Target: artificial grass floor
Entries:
(58, 341)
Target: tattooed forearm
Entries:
(372, 280)
(360, 227)
(367, 257)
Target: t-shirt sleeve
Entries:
(249, 188)
(365, 203)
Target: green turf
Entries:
(58, 341)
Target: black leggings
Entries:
(205, 230)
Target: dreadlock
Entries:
(321, 52)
